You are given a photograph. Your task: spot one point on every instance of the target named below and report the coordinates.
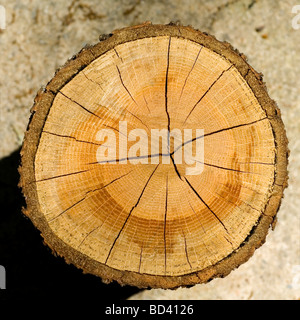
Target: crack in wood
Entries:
(218, 131)
(90, 191)
(141, 254)
(116, 52)
(60, 176)
(132, 158)
(190, 73)
(186, 251)
(189, 141)
(246, 187)
(129, 93)
(175, 167)
(96, 228)
(204, 231)
(165, 224)
(205, 93)
(89, 111)
(257, 162)
(122, 82)
(70, 137)
(233, 127)
(224, 168)
(80, 105)
(133, 207)
(97, 83)
(166, 91)
(146, 103)
(139, 119)
(231, 202)
(199, 197)
(166, 109)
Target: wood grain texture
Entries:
(151, 225)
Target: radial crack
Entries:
(133, 207)
(122, 82)
(175, 167)
(146, 103)
(141, 253)
(218, 131)
(165, 224)
(198, 195)
(60, 176)
(70, 137)
(166, 92)
(98, 84)
(190, 72)
(149, 156)
(166, 108)
(233, 127)
(116, 52)
(97, 189)
(141, 121)
(186, 251)
(224, 168)
(199, 220)
(73, 205)
(87, 110)
(205, 93)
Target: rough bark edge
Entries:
(40, 110)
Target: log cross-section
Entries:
(155, 158)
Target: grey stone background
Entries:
(41, 35)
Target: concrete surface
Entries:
(41, 35)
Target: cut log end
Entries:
(155, 158)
